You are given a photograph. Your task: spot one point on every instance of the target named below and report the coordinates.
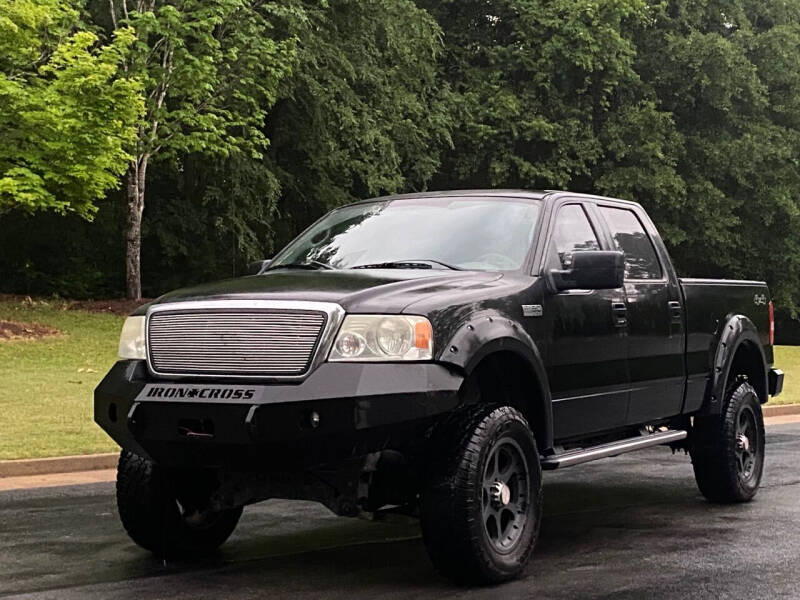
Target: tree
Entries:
(729, 76)
(690, 108)
(364, 112)
(66, 117)
(210, 70)
(534, 82)
(361, 113)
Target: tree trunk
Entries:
(134, 196)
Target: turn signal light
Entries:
(423, 335)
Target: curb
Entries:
(781, 410)
(61, 464)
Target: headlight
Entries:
(383, 337)
(131, 340)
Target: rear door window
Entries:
(641, 261)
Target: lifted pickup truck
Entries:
(432, 354)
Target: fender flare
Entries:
(737, 330)
(490, 332)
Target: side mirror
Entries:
(591, 270)
(255, 268)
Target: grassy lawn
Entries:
(47, 384)
(787, 358)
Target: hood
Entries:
(364, 291)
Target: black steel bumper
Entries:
(341, 410)
(775, 381)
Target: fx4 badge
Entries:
(532, 310)
(760, 299)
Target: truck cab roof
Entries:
(502, 193)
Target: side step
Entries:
(584, 455)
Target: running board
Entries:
(584, 455)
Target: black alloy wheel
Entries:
(505, 495)
(728, 449)
(481, 505)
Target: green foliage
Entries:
(66, 117)
(359, 112)
(363, 113)
(690, 108)
(210, 71)
(534, 80)
(728, 76)
(271, 113)
(207, 220)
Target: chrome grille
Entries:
(269, 343)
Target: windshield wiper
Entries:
(312, 265)
(419, 263)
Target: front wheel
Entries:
(167, 515)
(728, 449)
(482, 503)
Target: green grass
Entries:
(46, 385)
(787, 358)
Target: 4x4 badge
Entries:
(532, 310)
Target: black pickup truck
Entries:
(432, 354)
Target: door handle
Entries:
(675, 311)
(620, 312)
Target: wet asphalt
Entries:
(629, 527)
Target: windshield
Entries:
(465, 233)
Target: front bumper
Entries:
(775, 380)
(361, 407)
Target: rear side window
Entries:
(572, 233)
(641, 261)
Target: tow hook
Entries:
(196, 429)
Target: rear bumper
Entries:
(361, 408)
(775, 381)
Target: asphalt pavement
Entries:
(628, 527)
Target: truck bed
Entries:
(708, 303)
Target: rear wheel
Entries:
(482, 504)
(728, 449)
(164, 515)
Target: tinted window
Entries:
(629, 235)
(572, 233)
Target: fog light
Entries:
(314, 420)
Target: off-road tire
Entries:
(717, 449)
(453, 498)
(151, 514)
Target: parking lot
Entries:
(630, 527)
